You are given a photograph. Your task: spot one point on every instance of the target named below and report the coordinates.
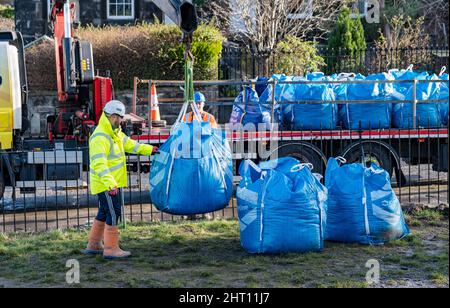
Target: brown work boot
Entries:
(112, 250)
(95, 245)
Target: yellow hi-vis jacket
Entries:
(107, 156)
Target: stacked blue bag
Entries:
(281, 206)
(427, 114)
(268, 96)
(193, 172)
(261, 85)
(309, 116)
(369, 116)
(340, 91)
(248, 109)
(442, 94)
(362, 207)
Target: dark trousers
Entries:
(109, 208)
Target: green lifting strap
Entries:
(189, 81)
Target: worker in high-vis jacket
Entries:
(108, 175)
(199, 99)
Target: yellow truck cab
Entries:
(13, 88)
(13, 101)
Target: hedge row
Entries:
(145, 51)
(6, 23)
(7, 11)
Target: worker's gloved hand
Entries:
(155, 150)
(113, 192)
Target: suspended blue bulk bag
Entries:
(369, 115)
(193, 173)
(250, 110)
(281, 207)
(310, 116)
(427, 114)
(362, 207)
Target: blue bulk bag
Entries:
(402, 88)
(193, 173)
(362, 207)
(442, 94)
(250, 110)
(267, 96)
(315, 76)
(281, 207)
(261, 85)
(309, 116)
(280, 88)
(371, 116)
(428, 114)
(340, 92)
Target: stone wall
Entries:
(31, 18)
(41, 104)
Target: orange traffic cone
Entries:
(155, 115)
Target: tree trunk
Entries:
(263, 65)
(386, 28)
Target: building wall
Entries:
(32, 15)
(31, 18)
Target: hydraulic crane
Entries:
(76, 112)
(58, 160)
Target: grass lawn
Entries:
(209, 254)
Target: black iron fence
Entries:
(51, 187)
(240, 63)
(420, 176)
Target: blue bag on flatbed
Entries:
(309, 116)
(442, 94)
(427, 113)
(368, 115)
(247, 109)
(281, 207)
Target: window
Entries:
(120, 9)
(360, 9)
(305, 10)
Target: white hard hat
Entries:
(115, 107)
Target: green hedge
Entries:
(150, 51)
(6, 17)
(6, 11)
(296, 57)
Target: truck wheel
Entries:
(305, 154)
(373, 153)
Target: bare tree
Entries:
(261, 24)
(436, 15)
